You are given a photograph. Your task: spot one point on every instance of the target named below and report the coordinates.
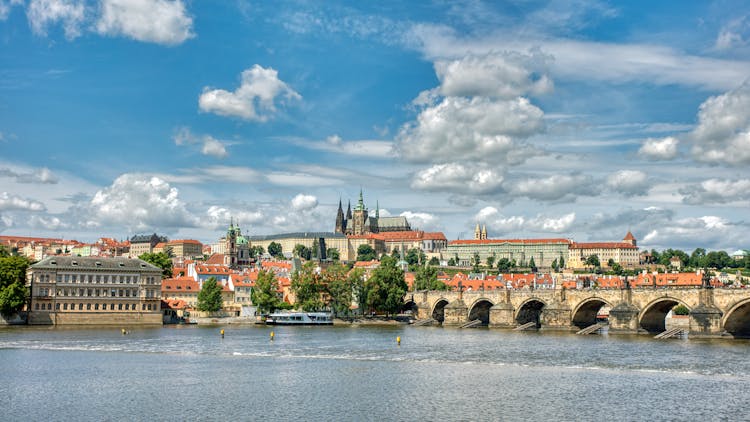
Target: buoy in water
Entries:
(222, 333)
(272, 335)
(124, 331)
(398, 340)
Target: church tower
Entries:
(230, 257)
(340, 221)
(359, 218)
(484, 232)
(477, 233)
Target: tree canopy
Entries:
(308, 288)
(365, 252)
(426, 279)
(333, 254)
(274, 249)
(265, 293)
(13, 291)
(302, 251)
(386, 287)
(161, 260)
(209, 298)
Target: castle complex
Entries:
(358, 222)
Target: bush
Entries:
(681, 310)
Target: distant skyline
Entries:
(577, 119)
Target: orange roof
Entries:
(191, 241)
(244, 280)
(215, 259)
(494, 241)
(402, 235)
(629, 236)
(160, 245)
(364, 236)
(276, 264)
(212, 269)
(181, 284)
(602, 245)
(173, 304)
(434, 236)
(367, 264)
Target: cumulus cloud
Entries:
(139, 202)
(478, 128)
(501, 224)
(10, 202)
(42, 175)
(420, 220)
(716, 191)
(219, 217)
(459, 178)
(47, 222)
(43, 13)
(723, 132)
(504, 75)
(659, 149)
(158, 21)
(708, 231)
(303, 202)
(209, 145)
(629, 182)
(254, 100)
(561, 187)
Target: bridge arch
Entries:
(586, 312)
(438, 310)
(652, 317)
(736, 320)
(410, 306)
(480, 310)
(530, 311)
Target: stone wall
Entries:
(95, 318)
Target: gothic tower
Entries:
(230, 257)
(359, 218)
(484, 232)
(477, 233)
(340, 222)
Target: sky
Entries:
(569, 119)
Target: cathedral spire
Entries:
(361, 203)
(377, 209)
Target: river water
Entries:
(361, 373)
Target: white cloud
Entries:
(42, 13)
(5, 6)
(555, 188)
(723, 131)
(47, 223)
(420, 220)
(734, 34)
(717, 191)
(504, 75)
(158, 21)
(458, 178)
(629, 182)
(472, 129)
(706, 232)
(219, 217)
(301, 179)
(254, 100)
(41, 175)
(659, 149)
(501, 224)
(303, 202)
(209, 145)
(213, 147)
(138, 202)
(10, 202)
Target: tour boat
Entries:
(300, 318)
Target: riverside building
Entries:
(94, 290)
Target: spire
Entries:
(361, 203)
(349, 211)
(377, 209)
(477, 233)
(484, 232)
(340, 223)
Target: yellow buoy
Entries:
(222, 333)
(398, 340)
(124, 332)
(272, 335)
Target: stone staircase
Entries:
(527, 326)
(592, 328)
(472, 324)
(672, 332)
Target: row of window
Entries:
(95, 292)
(96, 306)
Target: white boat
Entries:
(300, 318)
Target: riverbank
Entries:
(337, 321)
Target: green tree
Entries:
(308, 288)
(681, 310)
(265, 294)
(698, 258)
(161, 260)
(475, 261)
(434, 261)
(13, 291)
(415, 257)
(274, 249)
(356, 279)
(561, 262)
(532, 265)
(209, 298)
(339, 288)
(426, 279)
(396, 252)
(451, 262)
(593, 261)
(333, 254)
(256, 251)
(504, 265)
(616, 268)
(555, 266)
(491, 261)
(386, 287)
(302, 251)
(365, 252)
(718, 260)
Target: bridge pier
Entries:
(556, 316)
(502, 316)
(456, 313)
(623, 318)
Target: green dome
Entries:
(241, 240)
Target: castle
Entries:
(358, 222)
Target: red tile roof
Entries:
(496, 241)
(215, 259)
(181, 285)
(191, 241)
(602, 245)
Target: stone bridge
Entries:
(713, 312)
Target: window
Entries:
(36, 306)
(59, 278)
(111, 306)
(65, 306)
(80, 306)
(96, 306)
(113, 292)
(57, 306)
(119, 306)
(88, 306)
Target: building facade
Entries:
(544, 251)
(313, 240)
(624, 253)
(359, 222)
(94, 290)
(141, 244)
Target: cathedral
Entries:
(359, 222)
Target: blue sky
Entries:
(577, 119)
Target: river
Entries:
(361, 373)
